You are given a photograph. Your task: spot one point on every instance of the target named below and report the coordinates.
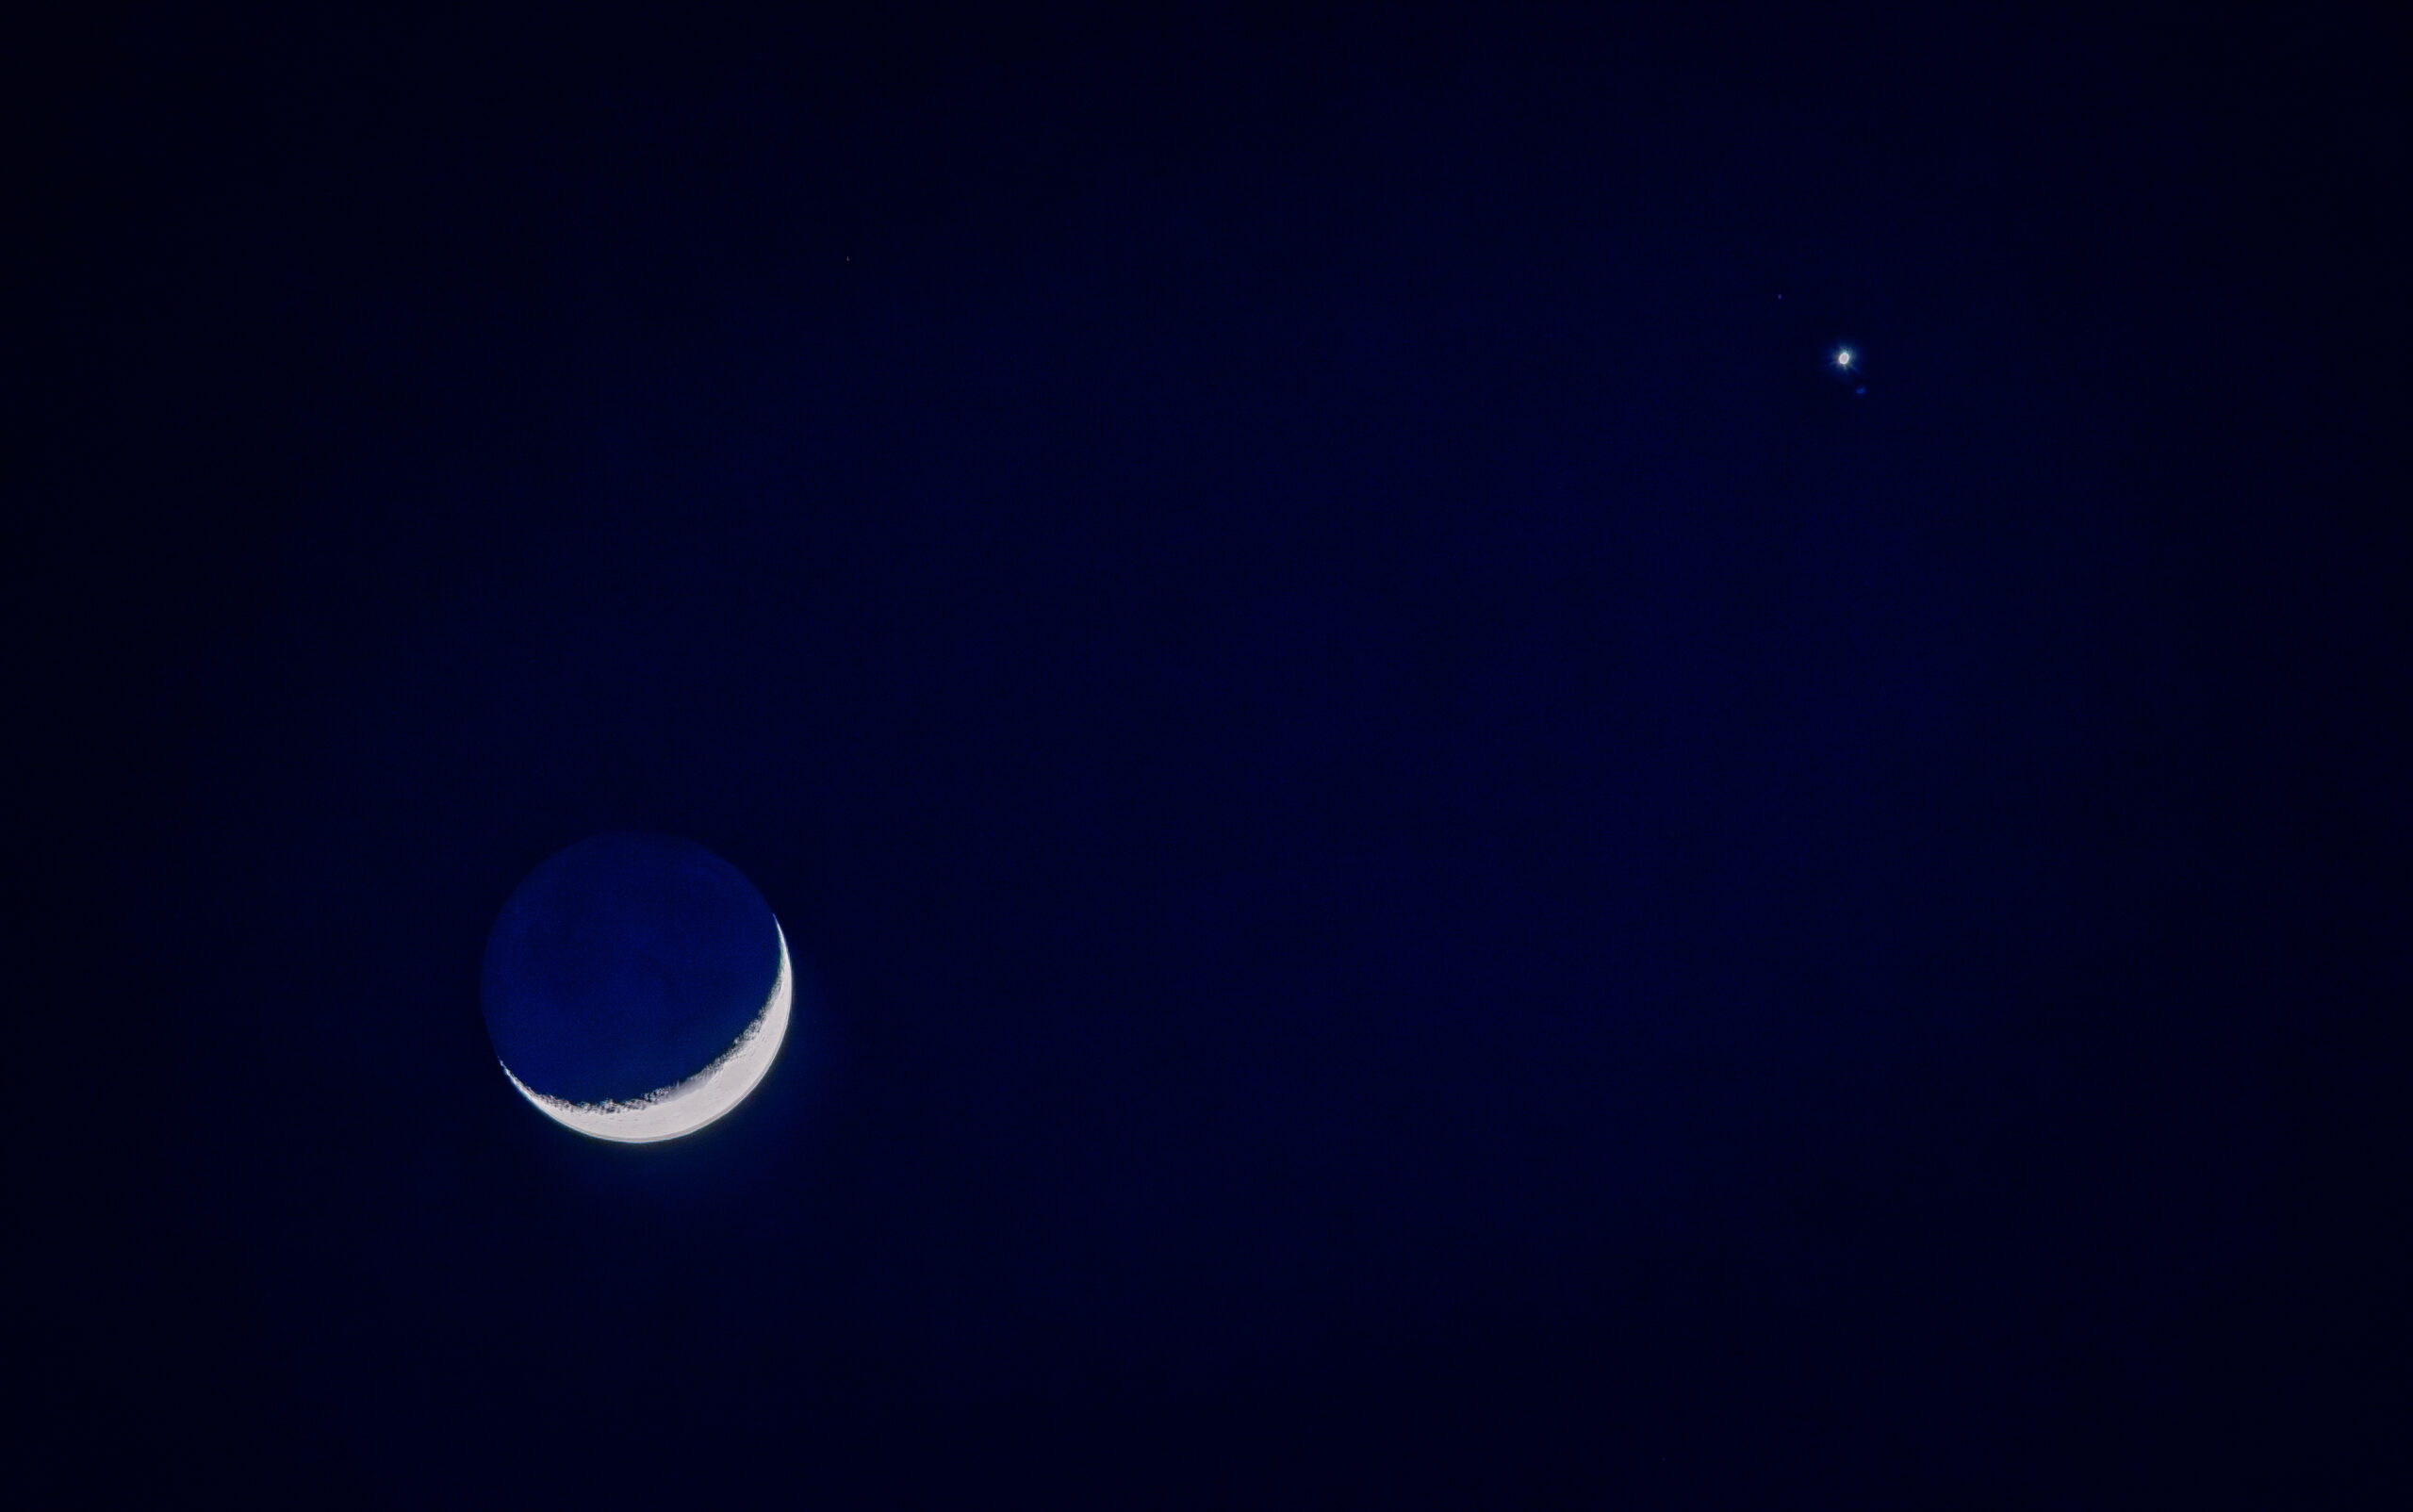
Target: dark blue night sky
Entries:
(1428, 864)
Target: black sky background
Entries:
(1431, 869)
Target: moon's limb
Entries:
(686, 1105)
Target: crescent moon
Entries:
(684, 1107)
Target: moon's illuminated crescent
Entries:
(684, 1107)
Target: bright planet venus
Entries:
(636, 987)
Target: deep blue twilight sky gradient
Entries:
(1425, 864)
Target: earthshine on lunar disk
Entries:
(637, 988)
(687, 1106)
